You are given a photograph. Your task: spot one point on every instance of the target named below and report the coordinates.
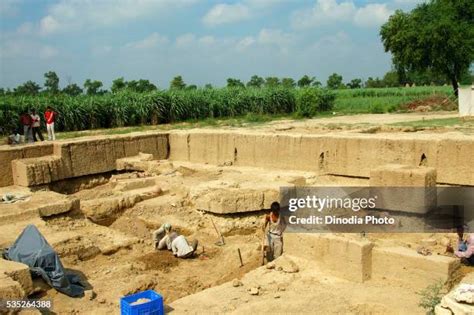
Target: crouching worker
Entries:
(465, 248)
(277, 226)
(163, 237)
(166, 238)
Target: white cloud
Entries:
(330, 11)
(207, 40)
(245, 43)
(264, 3)
(226, 13)
(151, 41)
(185, 40)
(28, 49)
(75, 14)
(372, 15)
(48, 25)
(275, 37)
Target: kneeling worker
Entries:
(165, 238)
(277, 226)
(465, 248)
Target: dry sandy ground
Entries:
(308, 291)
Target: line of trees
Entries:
(335, 81)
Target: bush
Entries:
(376, 109)
(431, 296)
(311, 101)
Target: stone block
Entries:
(395, 175)
(18, 272)
(405, 267)
(342, 257)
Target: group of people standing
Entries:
(31, 124)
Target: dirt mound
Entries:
(435, 102)
(132, 226)
(159, 260)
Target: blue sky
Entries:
(204, 41)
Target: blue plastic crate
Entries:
(153, 307)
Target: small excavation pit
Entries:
(159, 260)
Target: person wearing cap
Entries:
(163, 237)
(277, 226)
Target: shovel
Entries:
(263, 249)
(220, 242)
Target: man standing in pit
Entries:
(277, 225)
(36, 124)
(50, 117)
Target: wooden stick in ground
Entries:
(240, 257)
(221, 238)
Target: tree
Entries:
(373, 83)
(355, 84)
(391, 79)
(177, 83)
(51, 82)
(256, 81)
(72, 89)
(436, 36)
(231, 82)
(305, 81)
(334, 81)
(27, 88)
(272, 81)
(191, 87)
(93, 87)
(316, 83)
(208, 86)
(118, 84)
(288, 82)
(141, 86)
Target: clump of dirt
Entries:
(432, 103)
(159, 260)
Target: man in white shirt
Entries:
(165, 238)
(36, 126)
(181, 248)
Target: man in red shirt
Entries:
(50, 117)
(26, 122)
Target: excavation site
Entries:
(97, 200)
